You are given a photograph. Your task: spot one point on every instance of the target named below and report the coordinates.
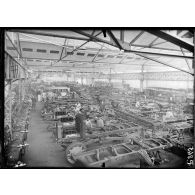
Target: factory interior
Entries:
(98, 98)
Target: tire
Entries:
(75, 148)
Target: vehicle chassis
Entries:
(77, 148)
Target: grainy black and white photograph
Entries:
(98, 98)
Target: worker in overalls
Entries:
(100, 123)
(79, 123)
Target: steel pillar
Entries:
(10, 109)
(19, 91)
(82, 80)
(92, 80)
(74, 77)
(142, 78)
(22, 89)
(110, 76)
(122, 35)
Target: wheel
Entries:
(73, 149)
(50, 127)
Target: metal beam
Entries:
(126, 48)
(97, 53)
(17, 51)
(62, 50)
(89, 62)
(45, 33)
(77, 48)
(71, 52)
(10, 61)
(162, 76)
(142, 78)
(122, 59)
(186, 59)
(158, 54)
(18, 38)
(158, 61)
(111, 35)
(173, 39)
(94, 38)
(38, 32)
(159, 43)
(159, 48)
(153, 41)
(137, 37)
(10, 109)
(122, 35)
(42, 40)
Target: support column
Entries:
(92, 81)
(10, 109)
(22, 89)
(74, 77)
(81, 80)
(142, 79)
(193, 67)
(110, 78)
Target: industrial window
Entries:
(100, 56)
(70, 53)
(41, 50)
(80, 54)
(129, 58)
(54, 51)
(27, 49)
(11, 48)
(91, 55)
(110, 56)
(38, 60)
(119, 56)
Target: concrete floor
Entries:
(43, 151)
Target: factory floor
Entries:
(43, 151)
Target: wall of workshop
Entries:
(103, 80)
(55, 77)
(88, 81)
(133, 83)
(80, 81)
(169, 84)
(163, 84)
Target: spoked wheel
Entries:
(73, 149)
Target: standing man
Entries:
(79, 123)
(100, 123)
